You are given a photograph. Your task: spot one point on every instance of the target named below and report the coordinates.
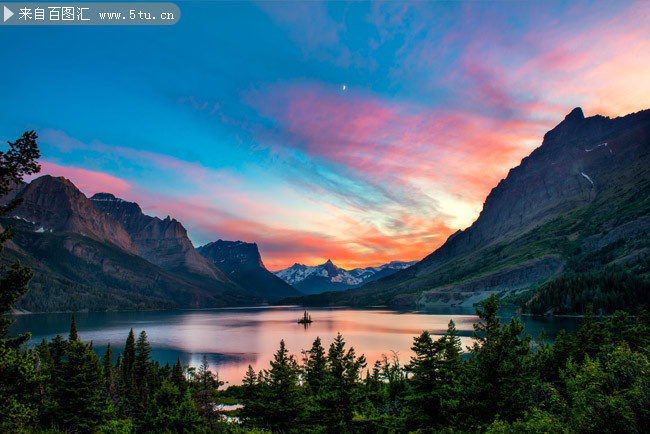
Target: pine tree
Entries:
(73, 336)
(107, 363)
(143, 374)
(285, 404)
(79, 392)
(18, 374)
(172, 411)
(451, 375)
(127, 374)
(128, 360)
(250, 379)
(500, 381)
(112, 388)
(590, 335)
(253, 409)
(342, 394)
(15, 163)
(315, 367)
(206, 391)
(142, 362)
(177, 377)
(57, 349)
(423, 402)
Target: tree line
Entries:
(594, 380)
(606, 291)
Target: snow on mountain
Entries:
(329, 277)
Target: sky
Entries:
(359, 132)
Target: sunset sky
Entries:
(359, 132)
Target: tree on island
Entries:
(306, 319)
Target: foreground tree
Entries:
(127, 375)
(315, 367)
(172, 411)
(18, 375)
(278, 403)
(79, 393)
(205, 395)
(142, 370)
(342, 386)
(499, 380)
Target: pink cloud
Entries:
(398, 144)
(88, 181)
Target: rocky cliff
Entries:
(242, 262)
(56, 205)
(84, 258)
(161, 242)
(590, 177)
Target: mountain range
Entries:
(329, 277)
(104, 253)
(578, 203)
(243, 263)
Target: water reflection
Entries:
(234, 338)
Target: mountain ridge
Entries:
(589, 177)
(243, 263)
(328, 276)
(163, 242)
(84, 259)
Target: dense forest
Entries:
(596, 380)
(606, 292)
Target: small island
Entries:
(306, 319)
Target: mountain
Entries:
(85, 259)
(578, 203)
(243, 264)
(329, 277)
(58, 206)
(162, 242)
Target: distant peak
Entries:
(575, 115)
(329, 261)
(104, 197)
(50, 178)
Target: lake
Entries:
(233, 338)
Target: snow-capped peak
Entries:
(328, 271)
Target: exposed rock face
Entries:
(589, 176)
(74, 272)
(578, 159)
(232, 256)
(161, 242)
(329, 277)
(56, 205)
(242, 262)
(84, 258)
(474, 290)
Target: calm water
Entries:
(234, 338)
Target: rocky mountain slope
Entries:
(56, 205)
(329, 277)
(85, 259)
(162, 242)
(579, 202)
(242, 262)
